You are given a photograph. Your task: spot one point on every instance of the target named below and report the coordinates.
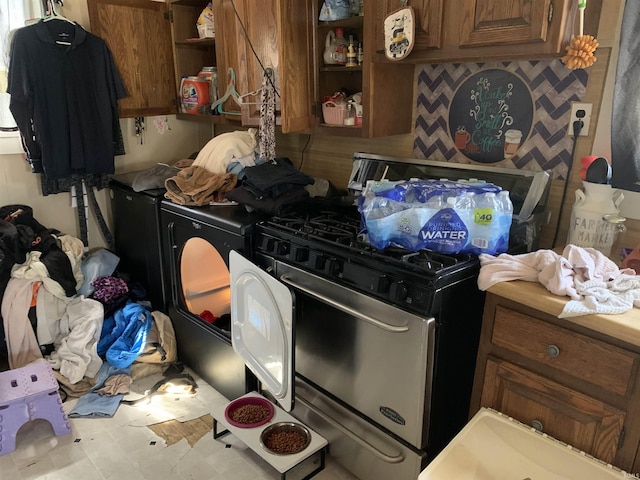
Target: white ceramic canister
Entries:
(587, 227)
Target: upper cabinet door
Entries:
(295, 40)
(276, 35)
(138, 34)
(486, 30)
(487, 22)
(429, 26)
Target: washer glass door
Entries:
(262, 326)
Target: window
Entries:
(625, 120)
(13, 15)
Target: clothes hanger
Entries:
(230, 93)
(269, 72)
(53, 15)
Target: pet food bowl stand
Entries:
(251, 438)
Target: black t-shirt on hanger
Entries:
(64, 89)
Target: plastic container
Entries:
(194, 95)
(618, 230)
(493, 446)
(333, 113)
(210, 74)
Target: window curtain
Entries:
(625, 121)
(13, 14)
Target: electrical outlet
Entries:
(586, 119)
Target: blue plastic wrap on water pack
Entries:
(441, 215)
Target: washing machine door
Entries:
(262, 326)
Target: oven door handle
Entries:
(360, 441)
(345, 308)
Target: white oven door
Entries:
(262, 327)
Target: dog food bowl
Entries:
(285, 438)
(249, 412)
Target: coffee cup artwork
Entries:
(462, 137)
(512, 139)
(491, 116)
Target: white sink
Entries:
(494, 447)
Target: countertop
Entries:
(625, 327)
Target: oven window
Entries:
(204, 277)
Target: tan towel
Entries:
(196, 186)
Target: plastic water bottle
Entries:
(435, 202)
(505, 202)
(506, 216)
(466, 201)
(465, 207)
(486, 230)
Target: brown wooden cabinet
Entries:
(275, 35)
(481, 30)
(138, 34)
(156, 44)
(577, 385)
(387, 89)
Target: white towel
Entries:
(222, 149)
(592, 281)
(22, 345)
(76, 353)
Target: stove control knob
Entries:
(380, 284)
(301, 254)
(398, 291)
(268, 244)
(319, 262)
(282, 248)
(335, 268)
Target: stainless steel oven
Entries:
(383, 344)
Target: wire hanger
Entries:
(230, 93)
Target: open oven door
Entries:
(262, 327)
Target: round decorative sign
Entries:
(491, 116)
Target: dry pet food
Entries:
(285, 441)
(250, 413)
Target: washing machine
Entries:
(136, 234)
(196, 243)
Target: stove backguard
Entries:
(524, 235)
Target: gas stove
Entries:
(331, 243)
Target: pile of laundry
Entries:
(594, 283)
(73, 310)
(230, 169)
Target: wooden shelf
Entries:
(339, 130)
(204, 118)
(341, 69)
(351, 22)
(197, 42)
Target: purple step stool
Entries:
(28, 393)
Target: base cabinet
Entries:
(578, 386)
(583, 421)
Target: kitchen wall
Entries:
(322, 156)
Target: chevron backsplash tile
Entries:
(529, 101)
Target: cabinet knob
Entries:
(537, 424)
(553, 351)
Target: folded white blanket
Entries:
(592, 281)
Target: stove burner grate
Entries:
(342, 230)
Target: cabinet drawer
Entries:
(569, 416)
(597, 362)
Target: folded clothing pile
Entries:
(271, 187)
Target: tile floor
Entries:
(124, 447)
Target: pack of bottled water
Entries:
(442, 215)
